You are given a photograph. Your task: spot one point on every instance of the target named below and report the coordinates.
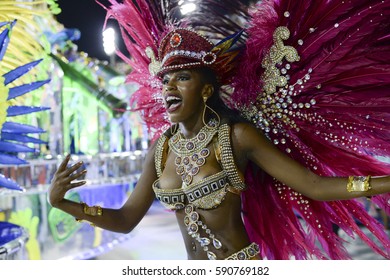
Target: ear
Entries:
(208, 90)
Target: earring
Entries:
(204, 115)
(174, 128)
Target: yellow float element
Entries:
(25, 219)
(28, 42)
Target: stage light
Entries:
(187, 7)
(109, 41)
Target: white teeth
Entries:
(172, 98)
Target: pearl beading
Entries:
(159, 154)
(227, 157)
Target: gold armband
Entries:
(80, 221)
(93, 210)
(358, 183)
(90, 211)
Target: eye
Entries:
(183, 77)
(165, 80)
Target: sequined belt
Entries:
(245, 254)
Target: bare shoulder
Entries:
(241, 140)
(242, 129)
(245, 132)
(247, 138)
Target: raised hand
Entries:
(63, 181)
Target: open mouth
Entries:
(172, 103)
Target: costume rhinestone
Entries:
(191, 153)
(176, 40)
(192, 218)
(193, 228)
(217, 244)
(190, 146)
(241, 256)
(204, 241)
(209, 58)
(211, 255)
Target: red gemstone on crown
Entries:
(175, 40)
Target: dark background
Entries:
(87, 16)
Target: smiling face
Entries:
(183, 92)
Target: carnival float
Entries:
(56, 100)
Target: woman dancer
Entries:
(206, 167)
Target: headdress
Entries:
(185, 48)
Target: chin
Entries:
(173, 118)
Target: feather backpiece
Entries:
(143, 24)
(328, 107)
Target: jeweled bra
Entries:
(206, 194)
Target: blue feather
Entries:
(12, 127)
(21, 138)
(23, 89)
(19, 71)
(22, 110)
(12, 160)
(13, 147)
(4, 38)
(9, 184)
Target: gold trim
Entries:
(359, 183)
(278, 51)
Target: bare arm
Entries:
(124, 219)
(254, 146)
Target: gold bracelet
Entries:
(359, 183)
(93, 210)
(80, 221)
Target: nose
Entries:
(169, 86)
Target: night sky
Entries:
(88, 17)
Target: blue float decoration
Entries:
(12, 133)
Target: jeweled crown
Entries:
(186, 49)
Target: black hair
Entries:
(216, 102)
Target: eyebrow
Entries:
(178, 72)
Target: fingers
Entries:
(77, 175)
(73, 168)
(64, 163)
(76, 184)
(67, 180)
(64, 176)
(64, 171)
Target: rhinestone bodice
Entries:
(210, 191)
(207, 193)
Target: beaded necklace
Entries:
(192, 153)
